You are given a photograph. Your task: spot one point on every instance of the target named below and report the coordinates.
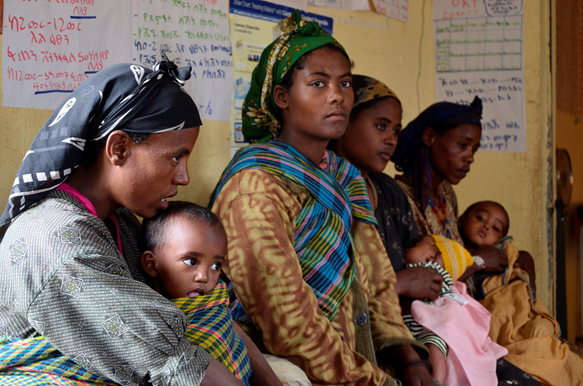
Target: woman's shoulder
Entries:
(50, 235)
(405, 185)
(386, 183)
(260, 184)
(382, 178)
(57, 223)
(56, 209)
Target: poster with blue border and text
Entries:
(253, 26)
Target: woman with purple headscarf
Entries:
(434, 152)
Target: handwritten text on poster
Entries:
(479, 51)
(49, 48)
(191, 33)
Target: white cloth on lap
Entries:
(288, 373)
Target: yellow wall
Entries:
(520, 180)
(517, 180)
(400, 54)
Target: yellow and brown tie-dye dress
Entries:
(258, 211)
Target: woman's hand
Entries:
(494, 259)
(526, 263)
(419, 283)
(408, 365)
(418, 375)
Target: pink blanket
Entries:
(472, 354)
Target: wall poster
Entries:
(254, 25)
(479, 51)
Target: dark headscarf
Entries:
(127, 97)
(411, 155)
(261, 116)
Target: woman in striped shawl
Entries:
(309, 276)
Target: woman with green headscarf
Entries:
(301, 230)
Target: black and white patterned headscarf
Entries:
(124, 97)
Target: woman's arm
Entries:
(408, 365)
(261, 372)
(76, 290)
(219, 375)
(392, 340)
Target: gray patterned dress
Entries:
(63, 277)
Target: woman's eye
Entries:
(189, 261)
(177, 158)
(216, 266)
(381, 126)
(347, 83)
(318, 84)
(463, 146)
(396, 132)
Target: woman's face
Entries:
(153, 170)
(318, 104)
(371, 137)
(452, 152)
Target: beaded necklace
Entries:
(442, 217)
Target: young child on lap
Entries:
(520, 322)
(485, 224)
(454, 327)
(185, 247)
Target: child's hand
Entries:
(494, 259)
(526, 263)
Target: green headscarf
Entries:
(261, 116)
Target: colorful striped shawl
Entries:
(322, 238)
(210, 326)
(35, 362)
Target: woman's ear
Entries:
(149, 263)
(280, 96)
(116, 147)
(428, 136)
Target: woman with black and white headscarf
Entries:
(74, 301)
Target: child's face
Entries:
(318, 104)
(423, 252)
(484, 225)
(188, 261)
